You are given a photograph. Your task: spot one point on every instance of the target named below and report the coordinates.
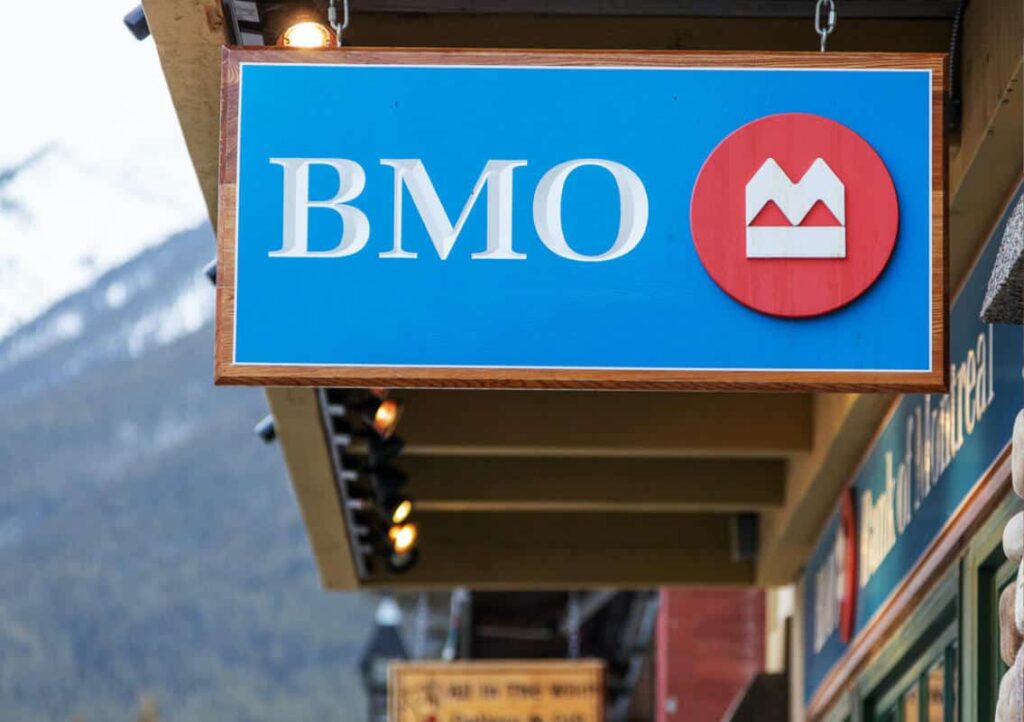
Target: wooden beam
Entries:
(580, 551)
(304, 446)
(651, 32)
(594, 568)
(986, 161)
(845, 424)
(627, 424)
(683, 8)
(495, 531)
(188, 36)
(478, 484)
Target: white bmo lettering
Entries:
(411, 175)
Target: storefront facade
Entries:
(901, 503)
(899, 616)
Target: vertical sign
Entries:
(931, 452)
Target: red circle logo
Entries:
(794, 215)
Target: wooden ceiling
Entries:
(681, 8)
(576, 489)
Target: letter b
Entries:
(355, 225)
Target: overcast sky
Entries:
(118, 178)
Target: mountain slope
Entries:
(149, 543)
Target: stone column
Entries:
(1004, 303)
(1011, 603)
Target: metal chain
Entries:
(825, 30)
(332, 18)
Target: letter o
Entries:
(547, 209)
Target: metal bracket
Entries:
(242, 19)
(955, 99)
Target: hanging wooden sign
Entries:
(517, 691)
(582, 219)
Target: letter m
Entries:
(496, 176)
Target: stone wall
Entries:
(1011, 603)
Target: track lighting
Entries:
(388, 478)
(384, 450)
(380, 515)
(136, 22)
(342, 431)
(265, 429)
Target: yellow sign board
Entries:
(506, 691)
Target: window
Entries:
(986, 574)
(915, 679)
(928, 691)
(994, 575)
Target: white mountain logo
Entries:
(795, 200)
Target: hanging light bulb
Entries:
(307, 34)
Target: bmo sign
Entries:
(669, 220)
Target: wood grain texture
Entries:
(306, 455)
(227, 372)
(587, 424)
(645, 486)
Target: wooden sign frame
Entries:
(528, 668)
(226, 371)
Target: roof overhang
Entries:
(525, 489)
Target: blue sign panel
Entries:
(931, 452)
(563, 222)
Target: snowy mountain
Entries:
(149, 543)
(152, 300)
(100, 166)
(57, 238)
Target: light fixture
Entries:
(403, 537)
(210, 271)
(265, 429)
(396, 508)
(136, 22)
(307, 34)
(382, 415)
(403, 552)
(402, 511)
(383, 450)
(387, 478)
(403, 562)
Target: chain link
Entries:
(826, 9)
(332, 18)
